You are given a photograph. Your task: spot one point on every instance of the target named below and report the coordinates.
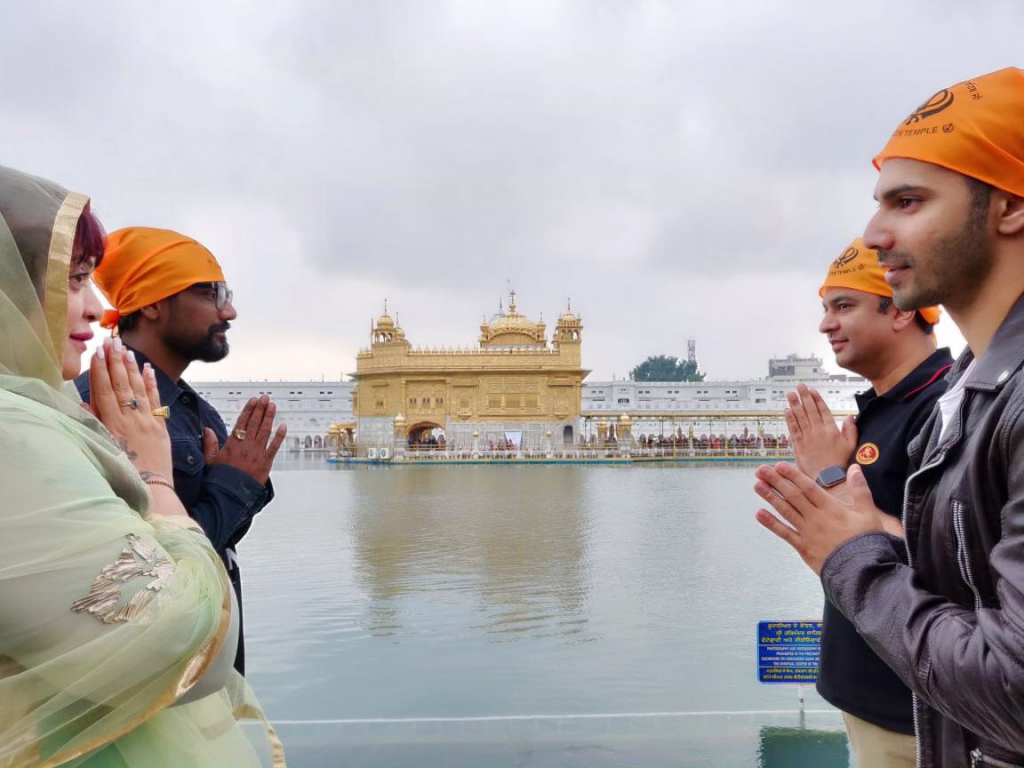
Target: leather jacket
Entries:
(945, 607)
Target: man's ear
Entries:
(903, 318)
(151, 311)
(1011, 214)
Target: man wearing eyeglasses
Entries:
(172, 307)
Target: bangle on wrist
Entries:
(157, 480)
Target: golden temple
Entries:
(515, 387)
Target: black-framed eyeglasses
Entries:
(218, 293)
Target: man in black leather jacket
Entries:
(944, 606)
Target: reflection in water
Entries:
(520, 616)
(519, 557)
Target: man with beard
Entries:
(945, 606)
(172, 306)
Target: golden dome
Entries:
(512, 323)
(399, 420)
(511, 328)
(384, 322)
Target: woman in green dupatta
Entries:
(113, 605)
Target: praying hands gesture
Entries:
(818, 522)
(127, 402)
(249, 446)
(123, 398)
(817, 442)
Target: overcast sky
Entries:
(679, 169)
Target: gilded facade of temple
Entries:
(514, 386)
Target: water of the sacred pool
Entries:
(527, 616)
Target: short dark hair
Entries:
(884, 302)
(89, 237)
(924, 325)
(126, 323)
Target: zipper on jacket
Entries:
(939, 458)
(910, 561)
(963, 559)
(980, 759)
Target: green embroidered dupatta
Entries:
(107, 616)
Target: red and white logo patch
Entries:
(867, 454)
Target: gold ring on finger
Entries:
(164, 412)
(239, 434)
(132, 403)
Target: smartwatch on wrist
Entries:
(831, 476)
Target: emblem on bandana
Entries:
(867, 454)
(137, 559)
(846, 257)
(933, 106)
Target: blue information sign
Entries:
(788, 651)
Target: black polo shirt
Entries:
(850, 676)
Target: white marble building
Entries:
(307, 407)
(715, 407)
(662, 407)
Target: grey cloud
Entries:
(583, 148)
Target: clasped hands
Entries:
(249, 447)
(123, 398)
(815, 521)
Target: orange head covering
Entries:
(857, 268)
(142, 265)
(975, 128)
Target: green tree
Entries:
(666, 368)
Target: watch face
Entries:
(830, 476)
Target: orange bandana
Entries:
(142, 265)
(975, 128)
(857, 268)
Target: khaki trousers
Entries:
(875, 747)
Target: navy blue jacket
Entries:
(222, 499)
